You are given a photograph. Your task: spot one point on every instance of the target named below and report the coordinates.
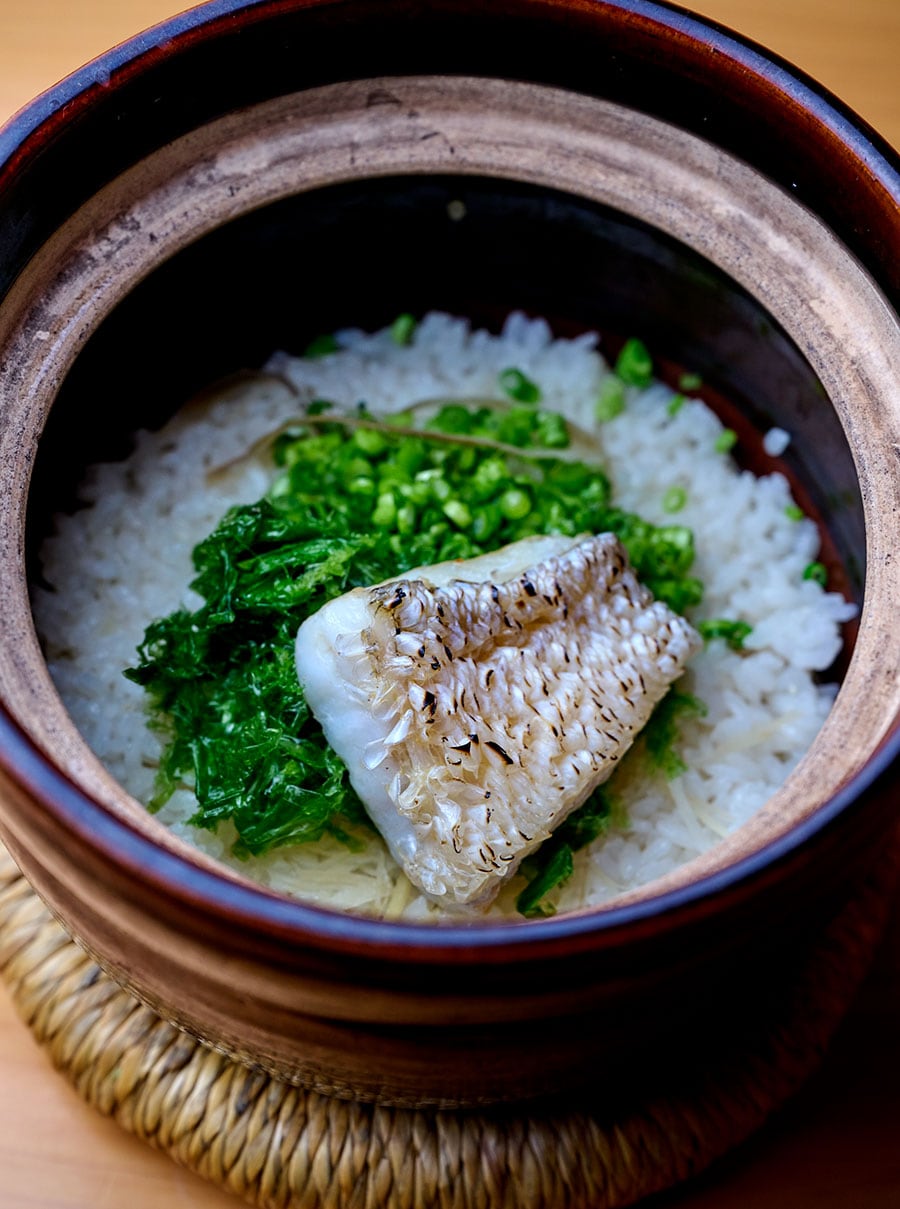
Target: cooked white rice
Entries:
(126, 560)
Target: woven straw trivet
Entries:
(279, 1146)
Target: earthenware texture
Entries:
(689, 140)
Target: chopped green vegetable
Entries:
(675, 404)
(732, 632)
(688, 382)
(610, 401)
(551, 430)
(518, 427)
(552, 865)
(385, 513)
(662, 732)
(369, 441)
(321, 346)
(515, 504)
(817, 572)
(634, 364)
(661, 556)
(514, 384)
(725, 441)
(554, 873)
(794, 513)
(458, 513)
(224, 689)
(674, 499)
(589, 821)
(403, 329)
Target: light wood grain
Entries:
(851, 48)
(835, 1146)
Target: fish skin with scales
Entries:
(477, 703)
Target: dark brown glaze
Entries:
(393, 1011)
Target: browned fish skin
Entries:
(506, 704)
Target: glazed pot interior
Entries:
(359, 253)
(177, 275)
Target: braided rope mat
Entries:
(282, 1147)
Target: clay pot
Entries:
(620, 165)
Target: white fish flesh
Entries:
(477, 703)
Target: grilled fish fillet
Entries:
(477, 703)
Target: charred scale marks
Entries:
(503, 655)
(626, 688)
(488, 855)
(501, 751)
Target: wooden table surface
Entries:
(837, 1145)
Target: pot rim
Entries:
(24, 133)
(59, 103)
(255, 908)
